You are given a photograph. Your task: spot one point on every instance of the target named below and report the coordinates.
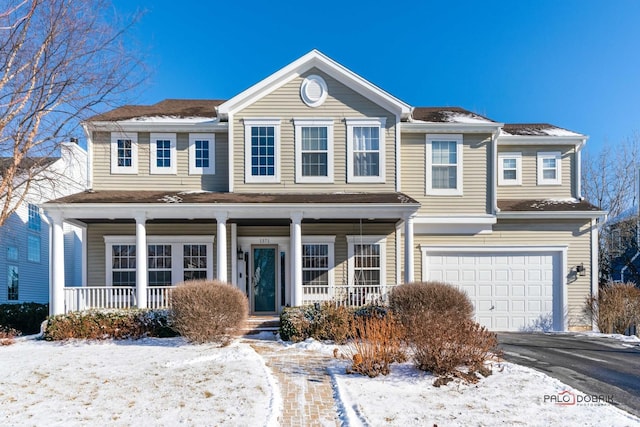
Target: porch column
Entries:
(408, 250)
(296, 258)
(141, 260)
(57, 265)
(221, 237)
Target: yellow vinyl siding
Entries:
(476, 152)
(285, 103)
(530, 188)
(575, 234)
(103, 179)
(96, 245)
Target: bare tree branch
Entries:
(61, 61)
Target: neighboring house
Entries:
(622, 249)
(315, 184)
(24, 237)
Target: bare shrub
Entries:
(616, 308)
(453, 348)
(377, 343)
(413, 299)
(208, 310)
(295, 323)
(7, 335)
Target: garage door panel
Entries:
(508, 290)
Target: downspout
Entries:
(398, 153)
(578, 185)
(230, 151)
(87, 132)
(494, 174)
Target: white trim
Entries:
(507, 156)
(379, 122)
(595, 269)
(310, 99)
(429, 190)
(398, 153)
(267, 122)
(89, 134)
(551, 215)
(177, 255)
(578, 168)
(494, 168)
(319, 123)
(366, 240)
(193, 169)
(314, 59)
(330, 242)
(178, 126)
(115, 169)
(544, 155)
(154, 169)
(421, 128)
(559, 307)
(230, 154)
(540, 140)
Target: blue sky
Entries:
(572, 63)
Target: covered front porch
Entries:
(280, 250)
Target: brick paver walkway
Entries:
(304, 382)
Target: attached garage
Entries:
(512, 288)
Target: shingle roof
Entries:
(163, 197)
(27, 163)
(536, 129)
(546, 205)
(448, 115)
(180, 108)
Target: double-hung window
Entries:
(365, 150)
(170, 259)
(262, 150)
(162, 157)
(444, 165)
(34, 218)
(317, 267)
(549, 168)
(33, 248)
(124, 153)
(509, 168)
(12, 283)
(367, 264)
(314, 150)
(202, 148)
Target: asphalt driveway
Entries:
(596, 366)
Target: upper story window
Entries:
(314, 150)
(124, 153)
(262, 150)
(509, 168)
(365, 150)
(33, 248)
(12, 253)
(549, 168)
(202, 149)
(444, 165)
(162, 156)
(34, 223)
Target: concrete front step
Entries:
(257, 324)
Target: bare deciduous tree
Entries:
(60, 62)
(610, 181)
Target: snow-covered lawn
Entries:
(169, 382)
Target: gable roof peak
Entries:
(314, 59)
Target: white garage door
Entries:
(510, 291)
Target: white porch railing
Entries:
(89, 297)
(346, 295)
(123, 297)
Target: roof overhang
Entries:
(314, 59)
(551, 215)
(204, 124)
(454, 224)
(113, 211)
(578, 140)
(416, 127)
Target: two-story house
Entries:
(24, 237)
(315, 184)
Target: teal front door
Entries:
(264, 278)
